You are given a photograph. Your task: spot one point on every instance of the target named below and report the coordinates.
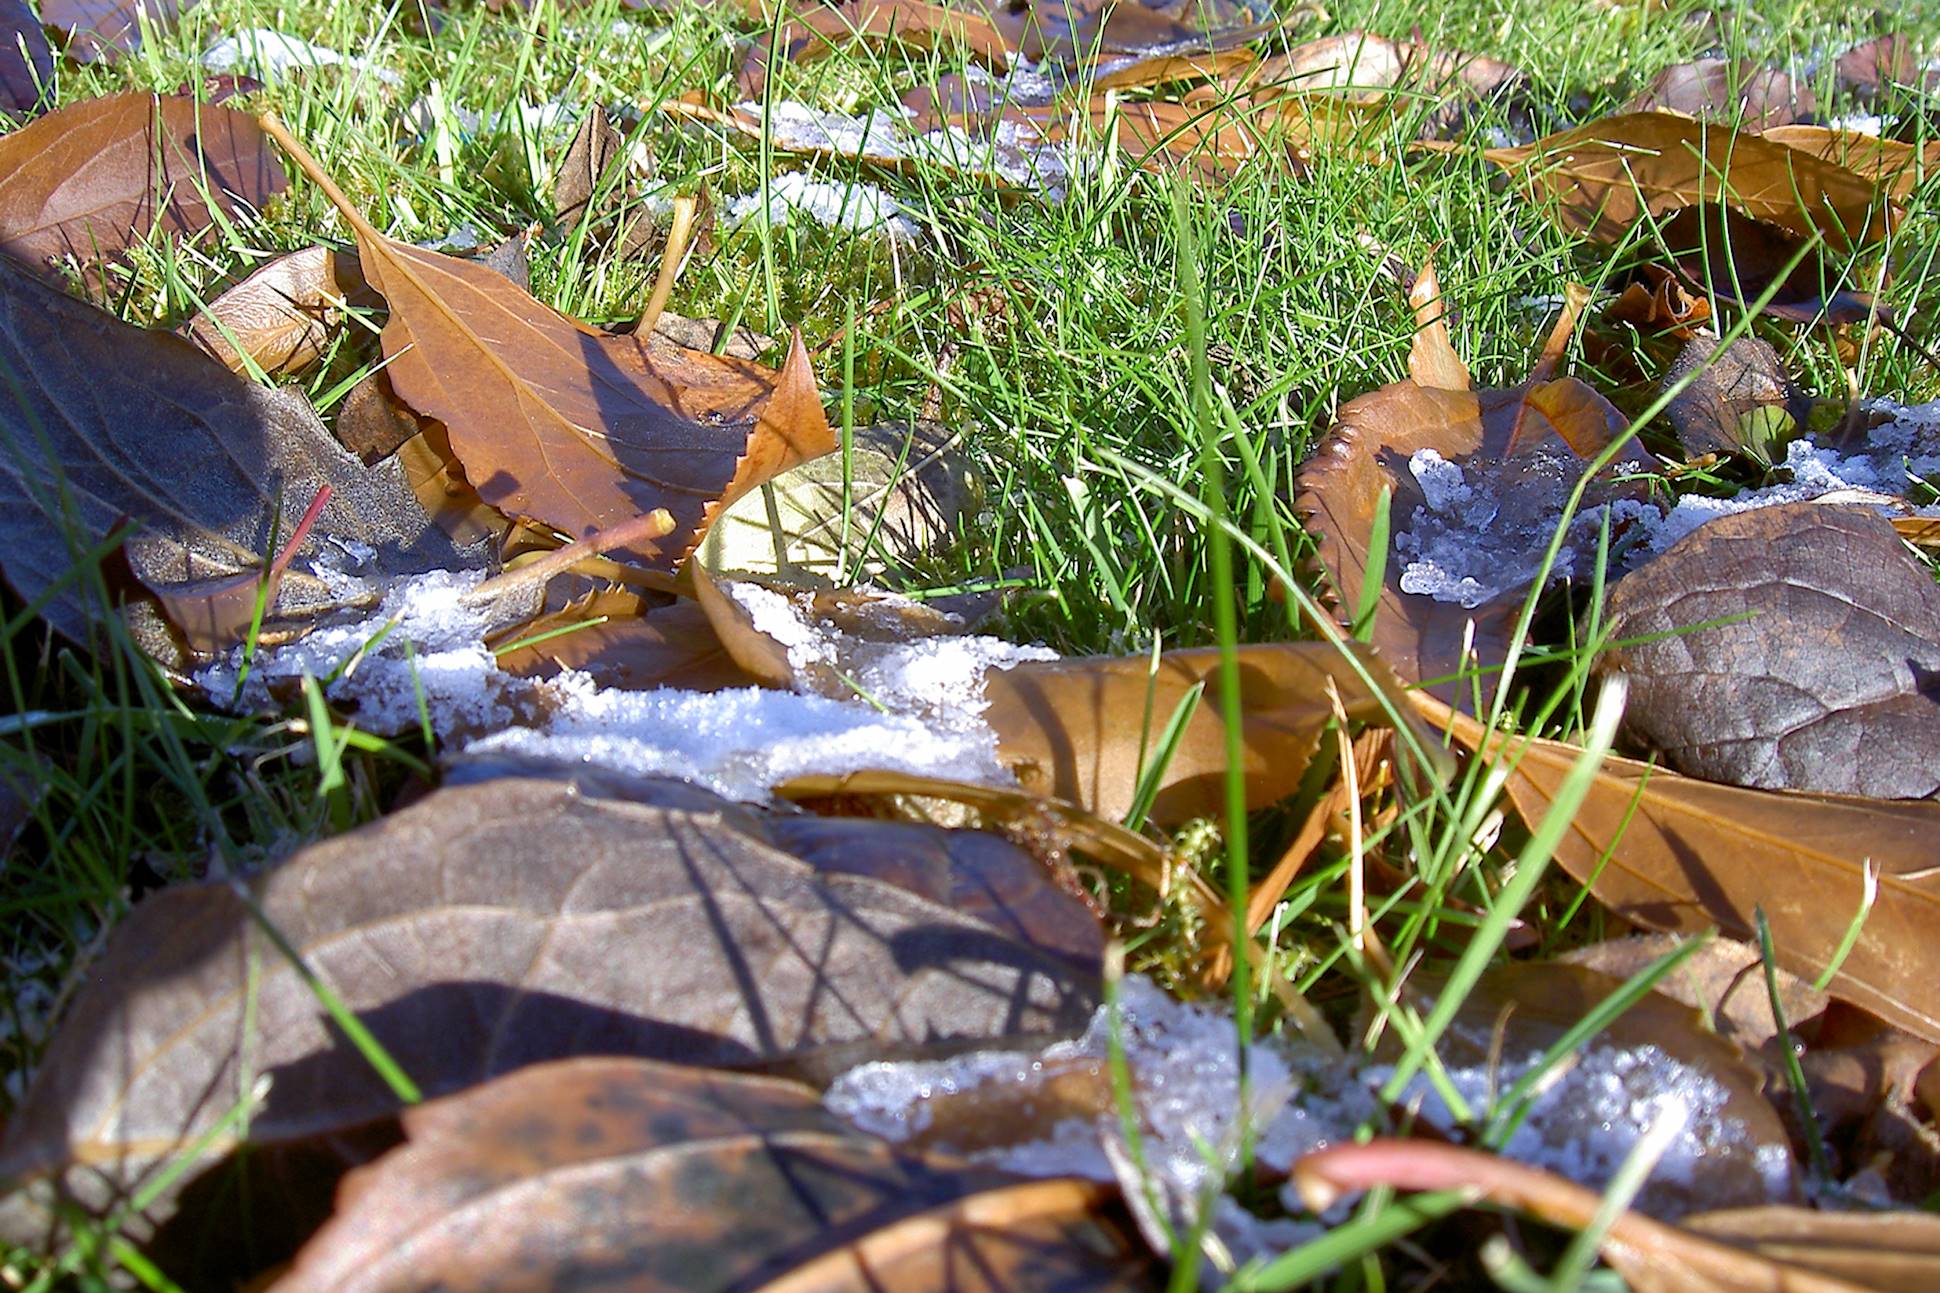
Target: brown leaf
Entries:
(624, 640)
(660, 1178)
(487, 927)
(1740, 401)
(914, 24)
(1074, 728)
(1821, 675)
(282, 315)
(560, 423)
(26, 62)
(437, 481)
(373, 423)
(1672, 852)
(1650, 1254)
(1526, 446)
(1432, 360)
(96, 177)
(1601, 178)
(97, 29)
(1370, 67)
(1726, 254)
(1655, 303)
(143, 427)
(1739, 94)
(1890, 1252)
(586, 169)
(1896, 167)
(1870, 67)
(1724, 979)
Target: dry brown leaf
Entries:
(487, 927)
(560, 423)
(662, 1178)
(916, 24)
(1073, 728)
(1650, 1254)
(1601, 178)
(1432, 360)
(1897, 167)
(1725, 979)
(1528, 444)
(98, 176)
(282, 315)
(623, 639)
(1671, 852)
(1738, 94)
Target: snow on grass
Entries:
(860, 208)
(270, 55)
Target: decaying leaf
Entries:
(26, 61)
(1736, 94)
(821, 30)
(1650, 1254)
(1871, 67)
(281, 316)
(93, 178)
(487, 927)
(1889, 1252)
(1740, 400)
(1601, 178)
(1727, 254)
(97, 29)
(1673, 852)
(1432, 360)
(1076, 729)
(1477, 480)
(107, 424)
(1797, 648)
(1724, 980)
(623, 639)
(661, 1178)
(560, 423)
(587, 168)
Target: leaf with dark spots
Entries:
(96, 29)
(26, 61)
(282, 315)
(1601, 178)
(96, 177)
(1822, 675)
(1500, 464)
(623, 639)
(1671, 852)
(1740, 401)
(637, 1175)
(577, 429)
(1725, 254)
(1743, 93)
(488, 927)
(105, 424)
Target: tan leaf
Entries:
(1671, 852)
(664, 1178)
(282, 315)
(563, 424)
(1601, 178)
(1432, 360)
(1897, 167)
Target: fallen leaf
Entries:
(587, 170)
(1670, 852)
(1740, 400)
(1600, 179)
(282, 315)
(108, 424)
(26, 62)
(1500, 464)
(1656, 303)
(1821, 675)
(1432, 360)
(1649, 1254)
(660, 1178)
(97, 29)
(1725, 254)
(569, 426)
(916, 24)
(96, 177)
(1897, 167)
(1074, 728)
(373, 423)
(1744, 93)
(1724, 980)
(1887, 1251)
(488, 927)
(435, 479)
(623, 639)
(1871, 67)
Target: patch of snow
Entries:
(863, 208)
(269, 54)
(1016, 152)
(1858, 124)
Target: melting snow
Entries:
(427, 641)
(1016, 152)
(1184, 1062)
(863, 208)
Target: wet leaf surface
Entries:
(1825, 681)
(142, 427)
(1671, 852)
(654, 1177)
(489, 927)
(84, 181)
(1516, 453)
(624, 639)
(579, 429)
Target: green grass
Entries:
(1113, 424)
